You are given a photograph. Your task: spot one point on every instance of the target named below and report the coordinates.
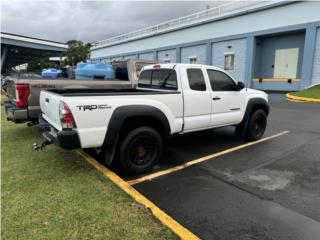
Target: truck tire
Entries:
(140, 150)
(256, 126)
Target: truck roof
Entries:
(171, 65)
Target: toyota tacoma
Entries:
(130, 125)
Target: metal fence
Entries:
(211, 13)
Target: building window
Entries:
(229, 61)
(167, 60)
(193, 60)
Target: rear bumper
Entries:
(14, 113)
(66, 139)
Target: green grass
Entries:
(313, 92)
(55, 194)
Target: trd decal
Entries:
(93, 107)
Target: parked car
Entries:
(132, 123)
(51, 73)
(23, 92)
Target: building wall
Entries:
(198, 51)
(133, 56)
(168, 54)
(239, 49)
(278, 86)
(209, 41)
(277, 17)
(266, 49)
(105, 60)
(116, 58)
(146, 56)
(316, 61)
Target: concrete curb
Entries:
(301, 99)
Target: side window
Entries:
(220, 81)
(196, 79)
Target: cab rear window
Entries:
(159, 79)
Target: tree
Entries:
(77, 52)
(41, 63)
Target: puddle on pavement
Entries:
(267, 179)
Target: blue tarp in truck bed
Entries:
(90, 71)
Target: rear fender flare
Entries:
(120, 115)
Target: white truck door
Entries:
(227, 101)
(197, 99)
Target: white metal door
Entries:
(286, 63)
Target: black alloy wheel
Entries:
(257, 125)
(140, 150)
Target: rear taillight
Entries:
(22, 94)
(66, 117)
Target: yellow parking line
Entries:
(202, 159)
(178, 229)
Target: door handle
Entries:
(216, 98)
(47, 100)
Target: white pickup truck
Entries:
(129, 125)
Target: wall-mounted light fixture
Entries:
(229, 46)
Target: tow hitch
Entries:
(41, 146)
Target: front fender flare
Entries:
(242, 127)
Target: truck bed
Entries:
(30, 109)
(64, 81)
(74, 92)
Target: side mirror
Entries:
(240, 86)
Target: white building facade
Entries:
(267, 45)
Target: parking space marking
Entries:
(168, 221)
(202, 159)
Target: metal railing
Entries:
(211, 13)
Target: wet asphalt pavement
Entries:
(270, 190)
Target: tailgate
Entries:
(49, 103)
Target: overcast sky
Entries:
(90, 20)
